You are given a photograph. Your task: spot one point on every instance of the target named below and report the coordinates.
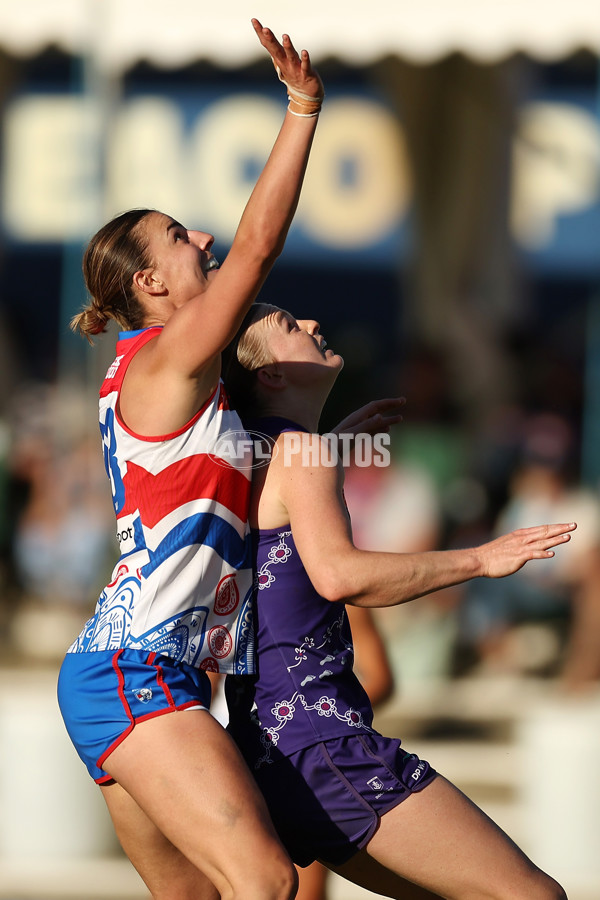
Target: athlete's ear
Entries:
(146, 281)
(271, 377)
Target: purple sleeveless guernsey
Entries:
(306, 689)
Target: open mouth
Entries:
(212, 263)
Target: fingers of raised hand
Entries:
(283, 54)
(295, 70)
(375, 416)
(379, 423)
(388, 409)
(387, 405)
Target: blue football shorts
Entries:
(103, 695)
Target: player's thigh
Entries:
(163, 868)
(365, 871)
(312, 882)
(186, 773)
(440, 839)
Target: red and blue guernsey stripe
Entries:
(182, 585)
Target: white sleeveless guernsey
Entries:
(182, 586)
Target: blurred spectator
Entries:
(397, 508)
(63, 530)
(370, 657)
(393, 507)
(543, 619)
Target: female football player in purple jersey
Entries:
(336, 789)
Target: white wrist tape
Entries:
(303, 105)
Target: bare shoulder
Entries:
(309, 480)
(309, 476)
(157, 399)
(298, 466)
(301, 458)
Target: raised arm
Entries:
(203, 327)
(312, 496)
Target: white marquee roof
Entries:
(123, 32)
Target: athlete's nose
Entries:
(201, 239)
(310, 325)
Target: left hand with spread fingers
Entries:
(305, 88)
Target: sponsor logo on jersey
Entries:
(114, 366)
(126, 534)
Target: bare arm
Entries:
(183, 364)
(312, 497)
(198, 331)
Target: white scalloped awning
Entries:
(123, 32)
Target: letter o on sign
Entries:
(230, 144)
(358, 183)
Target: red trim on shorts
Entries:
(105, 779)
(129, 729)
(165, 687)
(121, 688)
(191, 704)
(133, 720)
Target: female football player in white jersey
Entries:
(133, 687)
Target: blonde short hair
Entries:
(247, 353)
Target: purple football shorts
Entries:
(326, 800)
(105, 694)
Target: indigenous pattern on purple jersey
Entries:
(182, 586)
(304, 722)
(307, 690)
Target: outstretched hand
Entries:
(294, 69)
(509, 553)
(375, 417)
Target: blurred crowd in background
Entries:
(443, 489)
(447, 242)
(57, 522)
